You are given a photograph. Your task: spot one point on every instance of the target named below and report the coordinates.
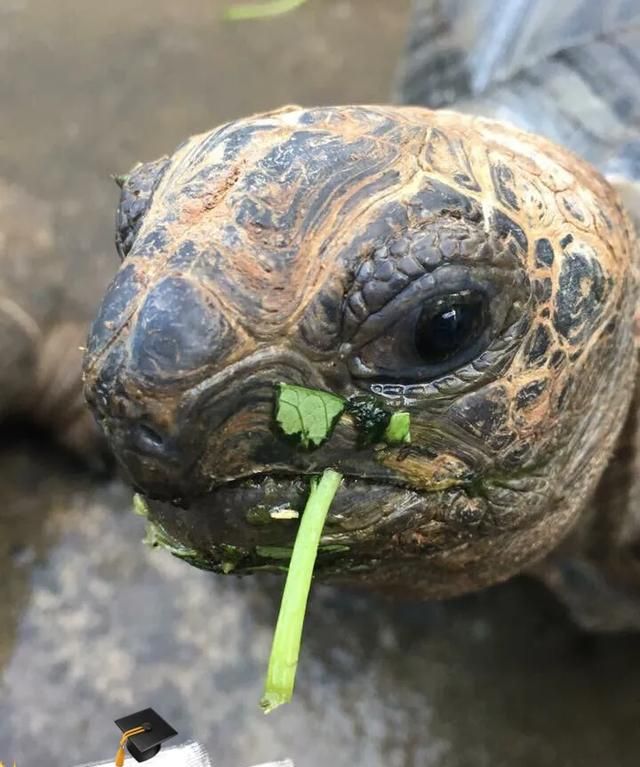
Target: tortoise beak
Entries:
(153, 459)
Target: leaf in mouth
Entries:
(398, 429)
(311, 416)
(307, 414)
(285, 649)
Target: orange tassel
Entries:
(123, 742)
(120, 757)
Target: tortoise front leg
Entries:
(598, 599)
(40, 338)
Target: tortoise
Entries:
(481, 276)
(475, 273)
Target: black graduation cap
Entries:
(143, 734)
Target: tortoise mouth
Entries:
(282, 474)
(254, 520)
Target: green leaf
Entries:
(333, 548)
(140, 506)
(261, 10)
(307, 414)
(398, 430)
(157, 537)
(370, 417)
(283, 662)
(120, 179)
(274, 552)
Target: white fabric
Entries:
(188, 754)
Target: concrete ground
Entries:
(94, 625)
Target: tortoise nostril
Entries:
(149, 437)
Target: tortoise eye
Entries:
(430, 339)
(446, 327)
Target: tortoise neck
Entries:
(613, 519)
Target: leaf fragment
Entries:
(274, 552)
(309, 415)
(140, 506)
(263, 10)
(398, 429)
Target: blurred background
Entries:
(94, 625)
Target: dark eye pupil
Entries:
(446, 329)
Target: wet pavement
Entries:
(93, 624)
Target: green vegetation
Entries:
(308, 415)
(398, 429)
(140, 506)
(261, 10)
(285, 649)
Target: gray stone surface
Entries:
(92, 623)
(97, 625)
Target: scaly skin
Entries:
(298, 246)
(596, 569)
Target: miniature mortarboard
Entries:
(143, 733)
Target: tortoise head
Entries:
(474, 275)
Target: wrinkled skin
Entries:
(303, 246)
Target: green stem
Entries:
(261, 10)
(285, 649)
